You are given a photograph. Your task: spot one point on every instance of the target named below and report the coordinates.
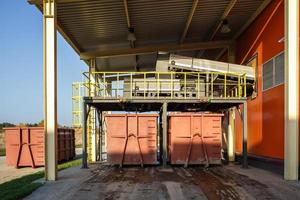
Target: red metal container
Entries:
(61, 147)
(25, 146)
(131, 138)
(68, 145)
(73, 153)
(195, 138)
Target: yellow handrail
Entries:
(176, 85)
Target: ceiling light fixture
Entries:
(225, 27)
(131, 36)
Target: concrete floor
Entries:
(8, 173)
(227, 182)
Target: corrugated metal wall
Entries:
(266, 111)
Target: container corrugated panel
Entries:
(131, 138)
(25, 146)
(73, 153)
(68, 145)
(61, 147)
(195, 138)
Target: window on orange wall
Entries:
(253, 62)
(273, 72)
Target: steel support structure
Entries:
(109, 104)
(165, 133)
(92, 139)
(85, 114)
(231, 53)
(153, 49)
(291, 92)
(50, 89)
(231, 114)
(231, 135)
(245, 135)
(189, 20)
(100, 134)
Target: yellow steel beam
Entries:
(291, 90)
(231, 89)
(219, 23)
(223, 17)
(264, 4)
(189, 20)
(107, 74)
(50, 89)
(127, 13)
(63, 32)
(132, 43)
(57, 1)
(153, 49)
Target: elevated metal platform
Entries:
(135, 90)
(154, 104)
(163, 106)
(161, 92)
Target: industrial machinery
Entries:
(175, 77)
(182, 63)
(180, 76)
(178, 84)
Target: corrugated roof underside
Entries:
(207, 14)
(158, 21)
(238, 16)
(94, 22)
(102, 24)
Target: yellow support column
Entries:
(231, 135)
(291, 92)
(91, 128)
(50, 89)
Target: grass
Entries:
(21, 187)
(2, 152)
(69, 164)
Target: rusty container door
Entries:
(73, 154)
(195, 138)
(212, 135)
(67, 144)
(132, 139)
(61, 146)
(24, 146)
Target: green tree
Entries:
(6, 124)
(41, 123)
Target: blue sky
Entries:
(21, 74)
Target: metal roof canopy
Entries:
(98, 29)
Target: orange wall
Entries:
(266, 111)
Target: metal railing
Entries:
(157, 85)
(167, 85)
(79, 90)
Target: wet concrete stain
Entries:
(111, 182)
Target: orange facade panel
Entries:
(266, 111)
(195, 138)
(131, 139)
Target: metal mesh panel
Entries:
(279, 69)
(268, 75)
